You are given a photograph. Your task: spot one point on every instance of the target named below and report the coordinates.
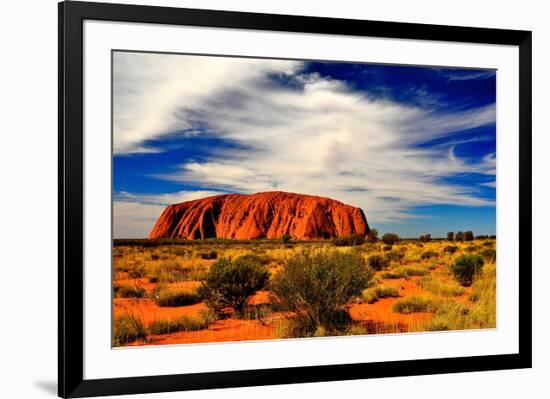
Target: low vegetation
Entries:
(317, 285)
(230, 283)
(128, 328)
(175, 296)
(466, 267)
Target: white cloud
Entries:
(321, 138)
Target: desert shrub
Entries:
(372, 235)
(490, 255)
(155, 257)
(482, 237)
(468, 236)
(419, 245)
(285, 238)
(137, 271)
(153, 279)
(466, 267)
(412, 304)
(395, 256)
(459, 236)
(317, 285)
(471, 248)
(386, 291)
(425, 238)
(209, 254)
(377, 262)
(428, 255)
(450, 249)
(387, 248)
(369, 296)
(438, 287)
(128, 291)
(450, 236)
(347, 241)
(171, 272)
(390, 238)
(170, 296)
(493, 237)
(487, 244)
(230, 283)
(128, 328)
(183, 323)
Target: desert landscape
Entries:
(270, 199)
(279, 265)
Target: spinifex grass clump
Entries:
(412, 304)
(439, 287)
(128, 328)
(175, 296)
(372, 295)
(230, 283)
(428, 255)
(128, 291)
(466, 267)
(317, 286)
(183, 323)
(346, 241)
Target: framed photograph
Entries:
(252, 199)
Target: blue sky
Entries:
(414, 147)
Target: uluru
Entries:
(262, 215)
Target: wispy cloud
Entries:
(316, 137)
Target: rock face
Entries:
(262, 215)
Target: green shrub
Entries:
(231, 283)
(377, 262)
(372, 235)
(395, 256)
(450, 249)
(128, 328)
(412, 304)
(390, 238)
(425, 238)
(466, 267)
(347, 241)
(128, 291)
(209, 255)
(428, 255)
(317, 285)
(171, 297)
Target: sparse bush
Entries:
(395, 256)
(209, 255)
(285, 238)
(425, 238)
(466, 267)
(459, 236)
(412, 304)
(317, 285)
(487, 243)
(347, 241)
(387, 248)
(171, 297)
(405, 272)
(128, 291)
(137, 271)
(372, 235)
(468, 236)
(490, 255)
(428, 255)
(231, 283)
(390, 238)
(450, 249)
(471, 248)
(128, 328)
(482, 237)
(377, 262)
(493, 237)
(450, 236)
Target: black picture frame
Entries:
(70, 335)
